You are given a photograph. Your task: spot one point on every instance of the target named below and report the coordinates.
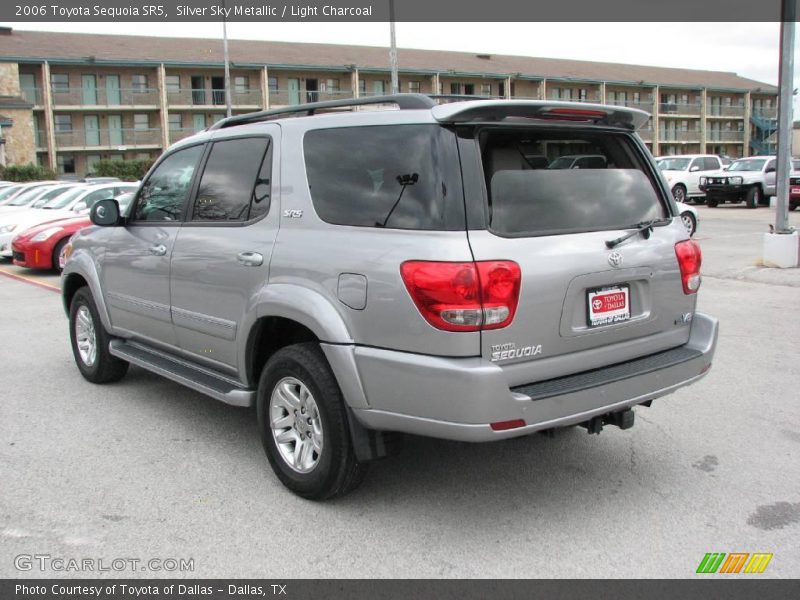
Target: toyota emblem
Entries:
(615, 259)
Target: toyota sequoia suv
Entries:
(358, 274)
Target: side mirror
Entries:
(79, 207)
(105, 213)
(694, 168)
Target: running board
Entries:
(205, 381)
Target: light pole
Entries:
(228, 110)
(393, 50)
(786, 86)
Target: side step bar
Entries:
(205, 381)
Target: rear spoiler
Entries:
(498, 110)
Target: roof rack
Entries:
(404, 101)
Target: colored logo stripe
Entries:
(734, 562)
(758, 562)
(711, 562)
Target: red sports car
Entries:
(42, 246)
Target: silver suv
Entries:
(358, 274)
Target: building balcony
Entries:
(33, 95)
(646, 134)
(645, 106)
(108, 139)
(591, 98)
(769, 112)
(294, 97)
(725, 136)
(679, 136)
(91, 99)
(181, 133)
(724, 111)
(668, 109)
(204, 98)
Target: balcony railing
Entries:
(105, 97)
(292, 97)
(110, 138)
(646, 134)
(679, 136)
(725, 136)
(591, 98)
(768, 112)
(179, 134)
(671, 108)
(33, 95)
(714, 110)
(645, 106)
(213, 97)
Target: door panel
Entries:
(136, 264)
(294, 91)
(115, 130)
(212, 284)
(113, 97)
(88, 90)
(91, 127)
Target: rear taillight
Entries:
(464, 296)
(689, 259)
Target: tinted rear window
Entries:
(608, 186)
(398, 177)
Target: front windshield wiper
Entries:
(645, 227)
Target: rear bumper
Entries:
(458, 399)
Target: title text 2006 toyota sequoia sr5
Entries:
(359, 273)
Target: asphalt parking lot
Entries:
(147, 469)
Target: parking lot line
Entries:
(30, 280)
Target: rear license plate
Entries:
(609, 305)
(795, 191)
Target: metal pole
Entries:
(228, 110)
(393, 50)
(786, 87)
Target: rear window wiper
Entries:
(645, 227)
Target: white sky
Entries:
(749, 49)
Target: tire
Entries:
(793, 206)
(57, 252)
(297, 379)
(712, 202)
(689, 222)
(754, 197)
(96, 363)
(679, 193)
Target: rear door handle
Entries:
(159, 250)
(250, 259)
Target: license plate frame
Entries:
(603, 316)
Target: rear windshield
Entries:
(392, 176)
(611, 187)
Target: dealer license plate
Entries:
(795, 191)
(609, 305)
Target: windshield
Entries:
(565, 162)
(26, 197)
(750, 164)
(8, 191)
(65, 198)
(674, 164)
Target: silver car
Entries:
(358, 275)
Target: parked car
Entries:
(359, 275)
(683, 173)
(43, 246)
(750, 180)
(34, 197)
(579, 161)
(689, 217)
(67, 204)
(10, 194)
